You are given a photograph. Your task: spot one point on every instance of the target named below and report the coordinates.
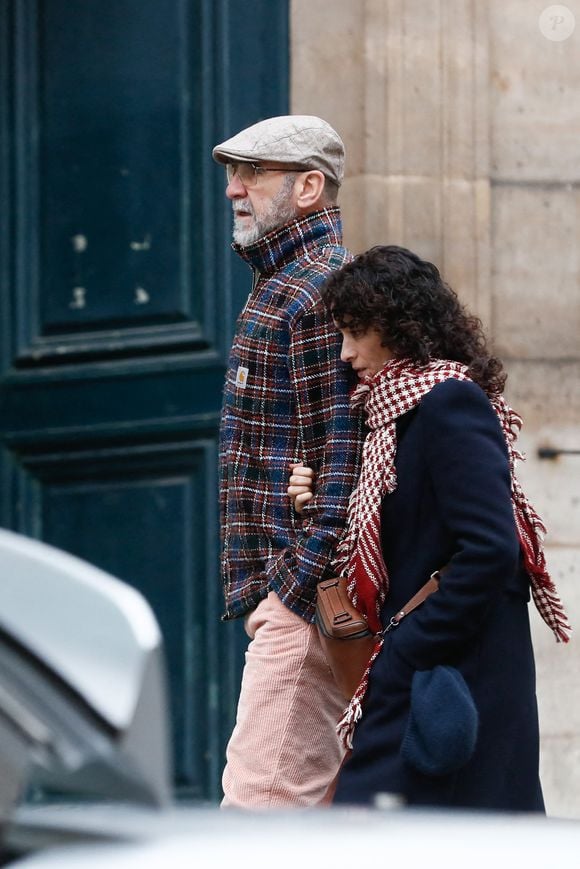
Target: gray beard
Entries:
(280, 212)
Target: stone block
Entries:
(535, 240)
(446, 222)
(548, 398)
(403, 89)
(354, 206)
(394, 210)
(426, 89)
(328, 70)
(545, 393)
(534, 85)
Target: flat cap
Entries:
(302, 140)
(441, 731)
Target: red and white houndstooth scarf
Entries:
(396, 389)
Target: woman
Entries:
(437, 491)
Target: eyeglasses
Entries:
(249, 173)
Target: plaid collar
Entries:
(281, 246)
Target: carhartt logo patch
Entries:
(242, 377)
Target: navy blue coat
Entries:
(452, 506)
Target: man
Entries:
(285, 401)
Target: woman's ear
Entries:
(309, 190)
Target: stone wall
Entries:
(462, 129)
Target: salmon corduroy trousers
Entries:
(284, 750)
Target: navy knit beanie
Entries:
(442, 729)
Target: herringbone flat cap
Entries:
(301, 140)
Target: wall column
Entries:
(411, 101)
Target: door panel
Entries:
(150, 521)
(118, 295)
(128, 153)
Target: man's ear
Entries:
(309, 189)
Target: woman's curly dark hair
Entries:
(418, 316)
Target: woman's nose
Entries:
(346, 353)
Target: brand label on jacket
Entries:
(242, 377)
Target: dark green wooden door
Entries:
(118, 294)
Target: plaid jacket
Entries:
(285, 400)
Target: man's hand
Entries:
(301, 486)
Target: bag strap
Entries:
(430, 586)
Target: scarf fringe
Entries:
(353, 712)
(346, 725)
(551, 609)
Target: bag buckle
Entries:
(420, 597)
(394, 622)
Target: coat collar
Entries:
(292, 241)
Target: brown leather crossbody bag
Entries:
(344, 634)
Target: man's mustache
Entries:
(243, 205)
